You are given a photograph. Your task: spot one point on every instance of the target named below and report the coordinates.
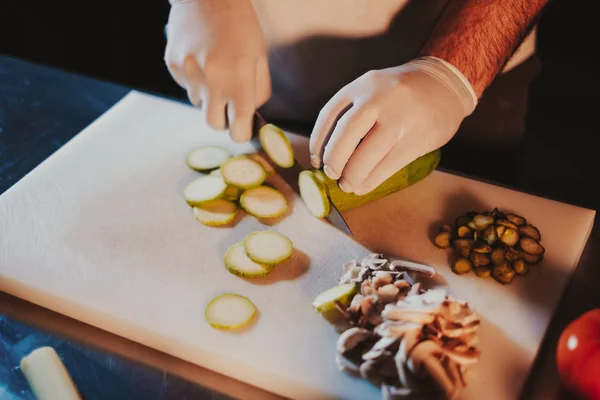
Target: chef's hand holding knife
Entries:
(370, 129)
(216, 51)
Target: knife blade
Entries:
(290, 176)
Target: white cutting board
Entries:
(100, 232)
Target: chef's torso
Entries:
(316, 47)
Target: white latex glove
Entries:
(217, 52)
(390, 118)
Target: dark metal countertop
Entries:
(41, 109)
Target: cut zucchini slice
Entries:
(238, 263)
(229, 311)
(262, 161)
(268, 247)
(276, 145)
(243, 172)
(204, 189)
(314, 194)
(207, 157)
(343, 294)
(232, 193)
(263, 202)
(216, 212)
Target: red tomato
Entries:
(578, 355)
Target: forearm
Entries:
(478, 37)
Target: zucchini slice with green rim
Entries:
(216, 212)
(243, 172)
(268, 247)
(263, 202)
(229, 311)
(204, 189)
(314, 194)
(205, 158)
(276, 145)
(238, 263)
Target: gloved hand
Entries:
(216, 51)
(390, 118)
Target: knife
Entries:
(290, 176)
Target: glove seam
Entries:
(456, 81)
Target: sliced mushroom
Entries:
(354, 306)
(373, 261)
(411, 266)
(381, 349)
(368, 369)
(388, 369)
(387, 293)
(453, 371)
(407, 343)
(402, 314)
(363, 274)
(345, 364)
(366, 305)
(424, 360)
(351, 338)
(402, 285)
(395, 328)
(470, 356)
(351, 272)
(404, 375)
(381, 280)
(389, 392)
(367, 289)
(414, 289)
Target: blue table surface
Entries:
(40, 110)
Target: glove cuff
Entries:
(449, 75)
